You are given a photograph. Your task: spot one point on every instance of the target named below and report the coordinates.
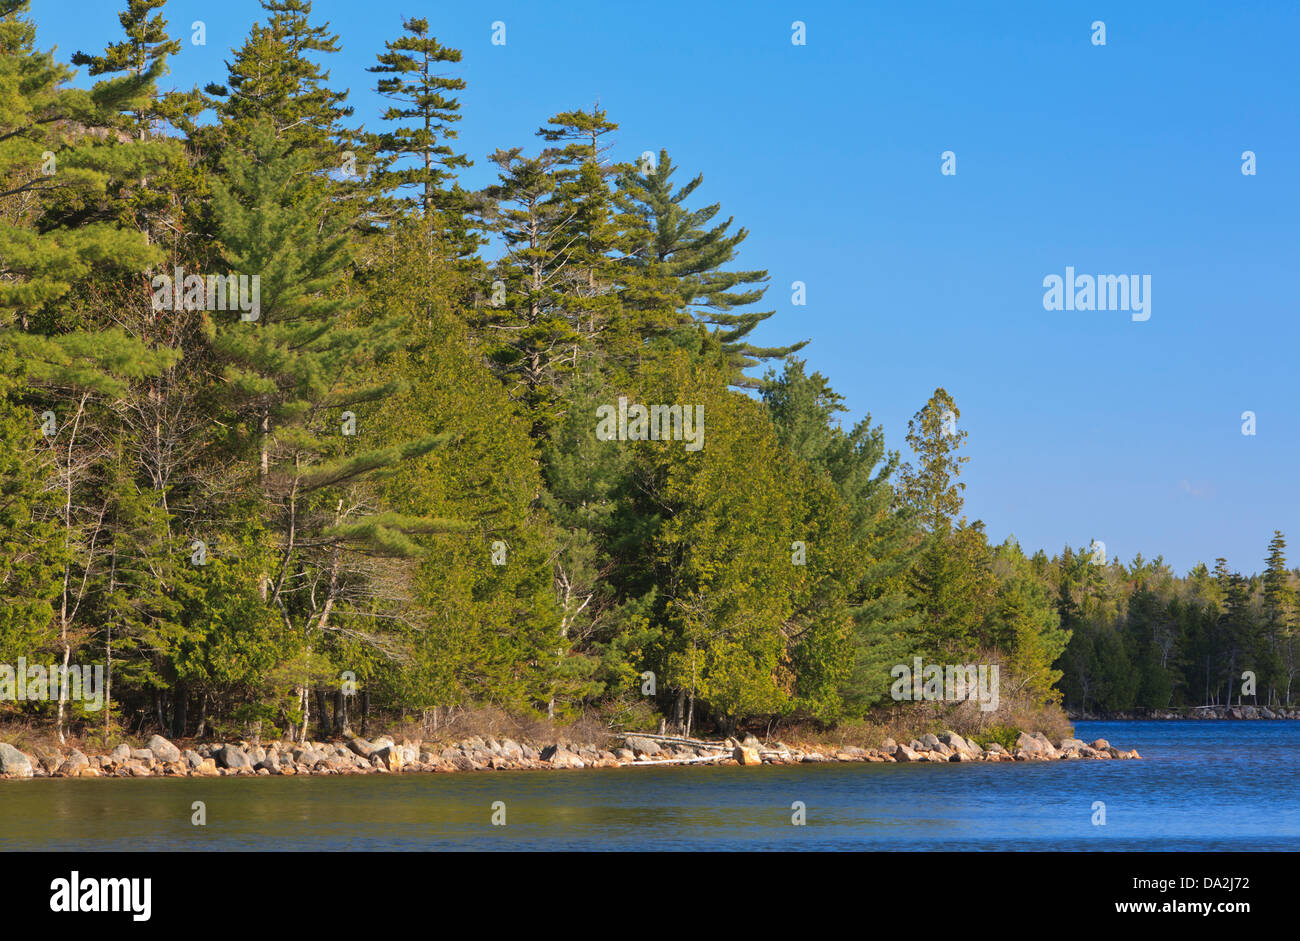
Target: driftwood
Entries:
(675, 761)
(674, 740)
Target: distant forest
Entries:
(297, 429)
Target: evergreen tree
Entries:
(680, 260)
(292, 373)
(425, 111)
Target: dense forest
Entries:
(297, 429)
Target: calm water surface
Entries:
(1200, 785)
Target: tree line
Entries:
(299, 430)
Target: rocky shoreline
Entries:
(356, 755)
(1188, 712)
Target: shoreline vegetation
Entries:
(384, 755)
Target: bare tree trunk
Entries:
(179, 711)
(203, 716)
(108, 681)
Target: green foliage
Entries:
(1004, 735)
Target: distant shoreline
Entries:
(1184, 713)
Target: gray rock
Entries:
(192, 759)
(956, 742)
(164, 750)
(121, 753)
(361, 747)
(905, 753)
(14, 763)
(641, 746)
(561, 757)
(47, 759)
(75, 762)
(1030, 745)
(929, 739)
(230, 756)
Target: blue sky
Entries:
(1115, 159)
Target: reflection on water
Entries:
(1200, 785)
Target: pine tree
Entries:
(292, 374)
(680, 259)
(425, 112)
(553, 309)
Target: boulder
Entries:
(120, 753)
(164, 750)
(14, 763)
(361, 747)
(560, 757)
(231, 756)
(905, 753)
(956, 742)
(640, 746)
(929, 740)
(390, 757)
(1030, 745)
(74, 764)
(47, 759)
(192, 759)
(745, 755)
(142, 755)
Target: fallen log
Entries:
(675, 761)
(675, 740)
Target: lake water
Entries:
(1200, 786)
